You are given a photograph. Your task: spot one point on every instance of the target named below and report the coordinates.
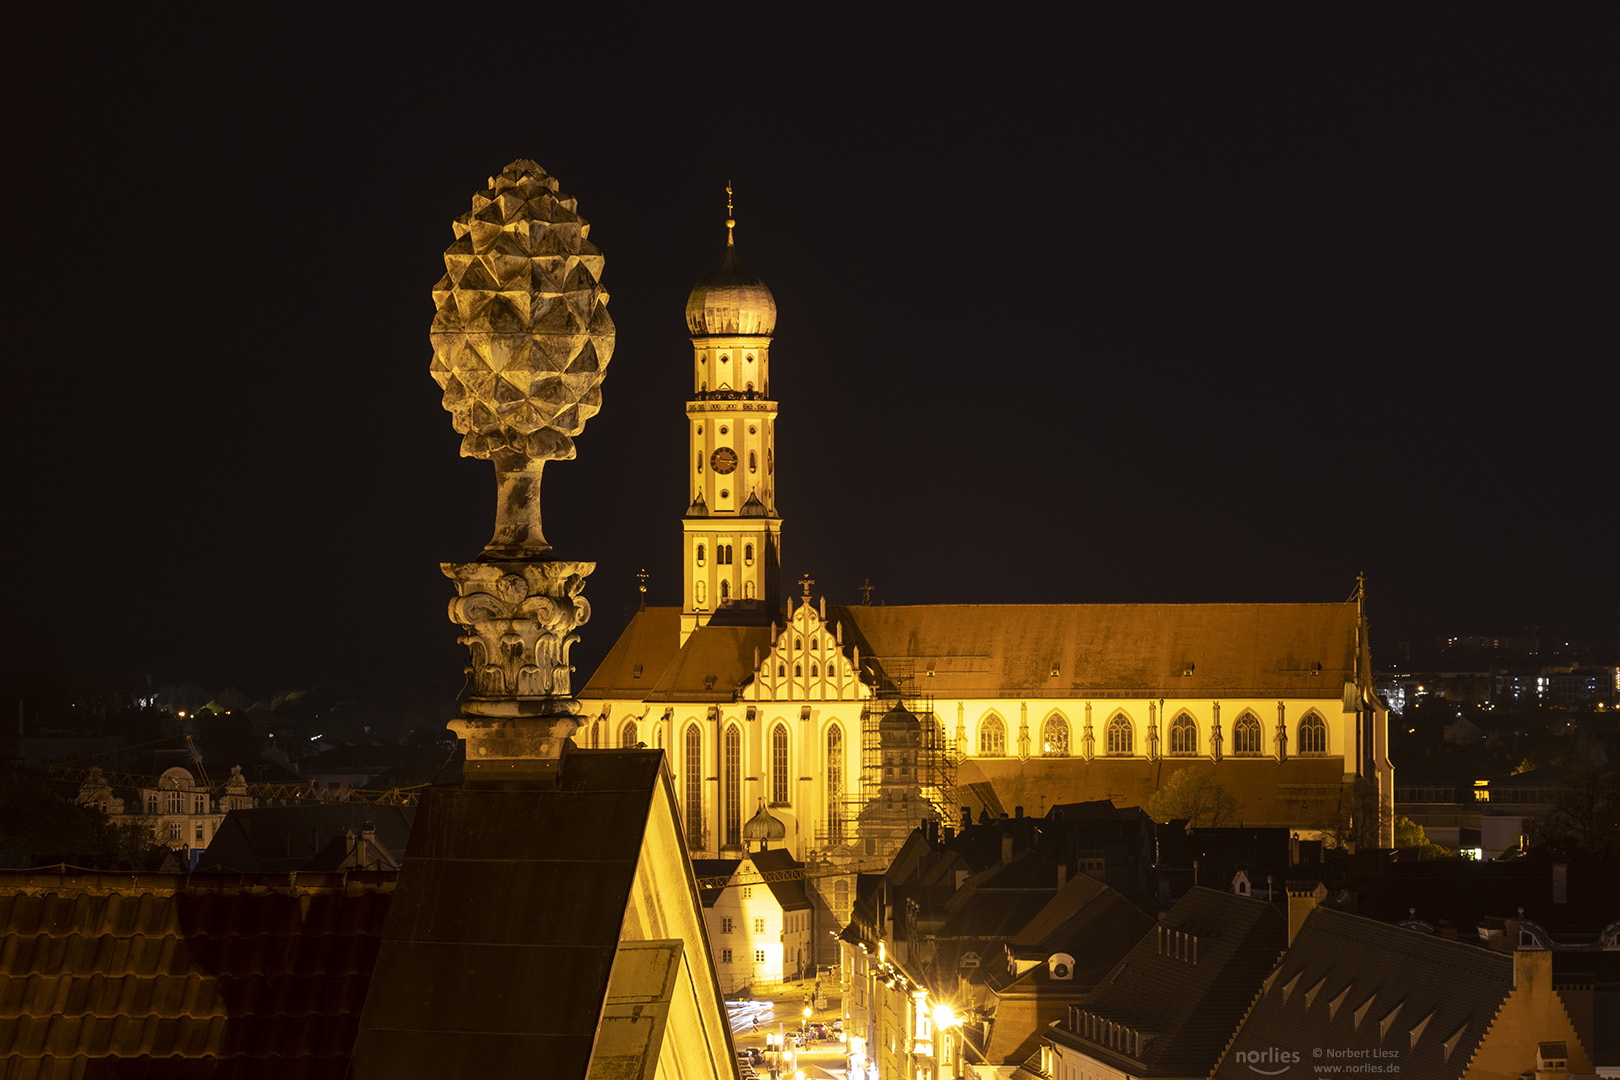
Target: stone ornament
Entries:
(521, 339)
(519, 622)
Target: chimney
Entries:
(1006, 847)
(1303, 896)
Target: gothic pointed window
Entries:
(992, 737)
(627, 735)
(1055, 737)
(693, 767)
(835, 783)
(1246, 734)
(1183, 735)
(798, 670)
(814, 670)
(1121, 736)
(748, 590)
(779, 766)
(1312, 734)
(781, 671)
(733, 787)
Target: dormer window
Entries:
(636, 672)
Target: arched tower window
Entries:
(814, 670)
(753, 459)
(779, 766)
(1183, 735)
(694, 787)
(627, 735)
(748, 590)
(1055, 736)
(835, 783)
(702, 552)
(1246, 734)
(733, 787)
(1121, 736)
(992, 737)
(1312, 734)
(748, 554)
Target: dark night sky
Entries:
(1184, 304)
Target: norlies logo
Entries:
(1270, 1056)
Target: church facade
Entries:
(760, 699)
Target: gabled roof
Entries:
(789, 891)
(1004, 650)
(710, 870)
(1363, 986)
(1000, 900)
(714, 661)
(1182, 990)
(207, 974)
(651, 642)
(286, 839)
(1001, 650)
(510, 919)
(1083, 914)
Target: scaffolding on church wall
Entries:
(894, 685)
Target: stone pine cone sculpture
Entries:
(522, 336)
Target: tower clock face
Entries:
(723, 460)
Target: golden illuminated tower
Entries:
(732, 534)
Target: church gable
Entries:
(806, 662)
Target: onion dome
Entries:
(762, 828)
(731, 300)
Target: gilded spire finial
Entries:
(731, 222)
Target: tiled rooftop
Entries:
(175, 975)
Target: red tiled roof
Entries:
(206, 975)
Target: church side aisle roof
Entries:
(1006, 650)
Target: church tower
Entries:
(731, 533)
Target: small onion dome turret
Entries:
(762, 828)
(731, 301)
